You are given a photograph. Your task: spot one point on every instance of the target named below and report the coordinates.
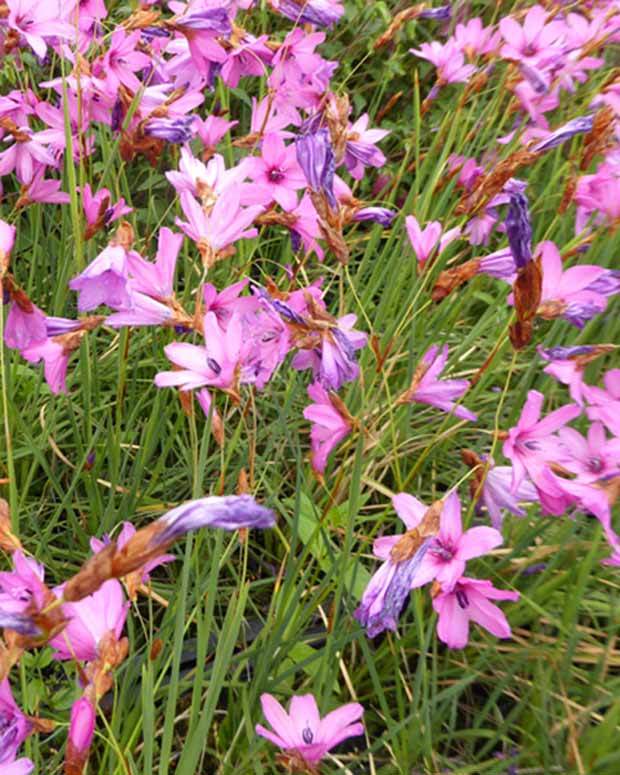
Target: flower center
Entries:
(275, 176)
(595, 464)
(307, 735)
(443, 551)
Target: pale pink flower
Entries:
(448, 59)
(469, 600)
(302, 731)
(329, 425)
(425, 241)
(37, 21)
(605, 403)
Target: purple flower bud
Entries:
(537, 567)
(58, 326)
(441, 13)
(117, 116)
(173, 130)
(323, 13)
(538, 81)
(286, 312)
(573, 127)
(316, 158)
(519, 229)
(214, 20)
(229, 512)
(566, 353)
(21, 623)
(149, 33)
(500, 265)
(394, 597)
(380, 215)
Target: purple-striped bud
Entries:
(441, 13)
(57, 326)
(229, 512)
(573, 127)
(579, 312)
(387, 593)
(380, 215)
(519, 229)
(500, 265)
(323, 13)
(316, 158)
(566, 353)
(172, 130)
(214, 20)
(21, 623)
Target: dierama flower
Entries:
(331, 423)
(530, 443)
(448, 59)
(277, 170)
(469, 600)
(605, 403)
(7, 241)
(427, 388)
(104, 281)
(92, 621)
(425, 241)
(302, 733)
(14, 728)
(36, 22)
(81, 731)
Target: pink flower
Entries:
(37, 21)
(468, 601)
(14, 726)
(156, 280)
(425, 241)
(530, 443)
(55, 359)
(449, 551)
(473, 39)
(592, 458)
(497, 494)
(26, 155)
(247, 57)
(302, 731)
(25, 325)
(98, 207)
(90, 621)
(448, 59)
(43, 191)
(427, 388)
(534, 38)
(330, 424)
(361, 150)
(22, 588)
(226, 223)
(214, 364)
(212, 129)
(605, 404)
(277, 170)
(104, 281)
(121, 61)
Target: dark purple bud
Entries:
(215, 20)
(117, 116)
(173, 130)
(519, 229)
(538, 567)
(149, 33)
(441, 13)
(566, 353)
(296, 241)
(380, 215)
(573, 127)
(316, 158)
(319, 12)
(229, 512)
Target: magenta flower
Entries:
(534, 38)
(55, 359)
(226, 223)
(156, 279)
(212, 130)
(42, 191)
(448, 59)
(121, 61)
(26, 156)
(531, 443)
(605, 404)
(427, 388)
(570, 293)
(22, 588)
(7, 241)
(277, 169)
(25, 324)
(98, 207)
(592, 458)
(361, 150)
(566, 365)
(425, 241)
(330, 424)
(469, 601)
(301, 731)
(449, 551)
(14, 729)
(90, 621)
(36, 21)
(81, 732)
(247, 57)
(473, 39)
(214, 364)
(104, 281)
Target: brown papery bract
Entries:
(412, 540)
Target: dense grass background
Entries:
(274, 613)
